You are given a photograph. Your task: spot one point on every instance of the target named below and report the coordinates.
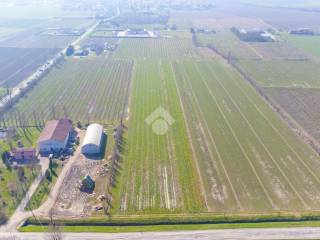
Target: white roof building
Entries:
(93, 140)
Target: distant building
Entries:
(81, 52)
(92, 142)
(136, 33)
(21, 154)
(55, 135)
(253, 36)
(303, 31)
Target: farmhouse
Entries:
(253, 36)
(55, 135)
(92, 142)
(21, 154)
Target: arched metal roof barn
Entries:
(93, 139)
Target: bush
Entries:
(3, 218)
(48, 175)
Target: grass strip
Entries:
(175, 227)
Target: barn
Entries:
(55, 136)
(92, 142)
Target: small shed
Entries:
(87, 184)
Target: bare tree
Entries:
(11, 237)
(54, 230)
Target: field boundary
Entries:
(179, 219)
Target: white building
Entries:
(92, 142)
(55, 136)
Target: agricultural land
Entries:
(201, 125)
(92, 89)
(16, 180)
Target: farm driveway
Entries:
(44, 209)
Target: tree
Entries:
(70, 50)
(50, 164)
(6, 159)
(48, 175)
(13, 190)
(3, 217)
(54, 230)
(79, 125)
(20, 172)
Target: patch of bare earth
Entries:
(302, 105)
(71, 201)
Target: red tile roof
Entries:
(56, 130)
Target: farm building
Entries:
(303, 31)
(20, 154)
(93, 139)
(253, 36)
(87, 184)
(55, 135)
(136, 33)
(81, 53)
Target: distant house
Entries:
(254, 35)
(81, 52)
(55, 135)
(21, 154)
(93, 139)
(303, 31)
(136, 33)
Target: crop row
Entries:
(248, 159)
(158, 173)
(81, 89)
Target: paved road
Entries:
(239, 234)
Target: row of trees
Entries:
(115, 163)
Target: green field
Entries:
(89, 89)
(243, 157)
(156, 48)
(309, 44)
(43, 190)
(3, 91)
(180, 227)
(158, 170)
(227, 43)
(12, 188)
(279, 73)
(248, 158)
